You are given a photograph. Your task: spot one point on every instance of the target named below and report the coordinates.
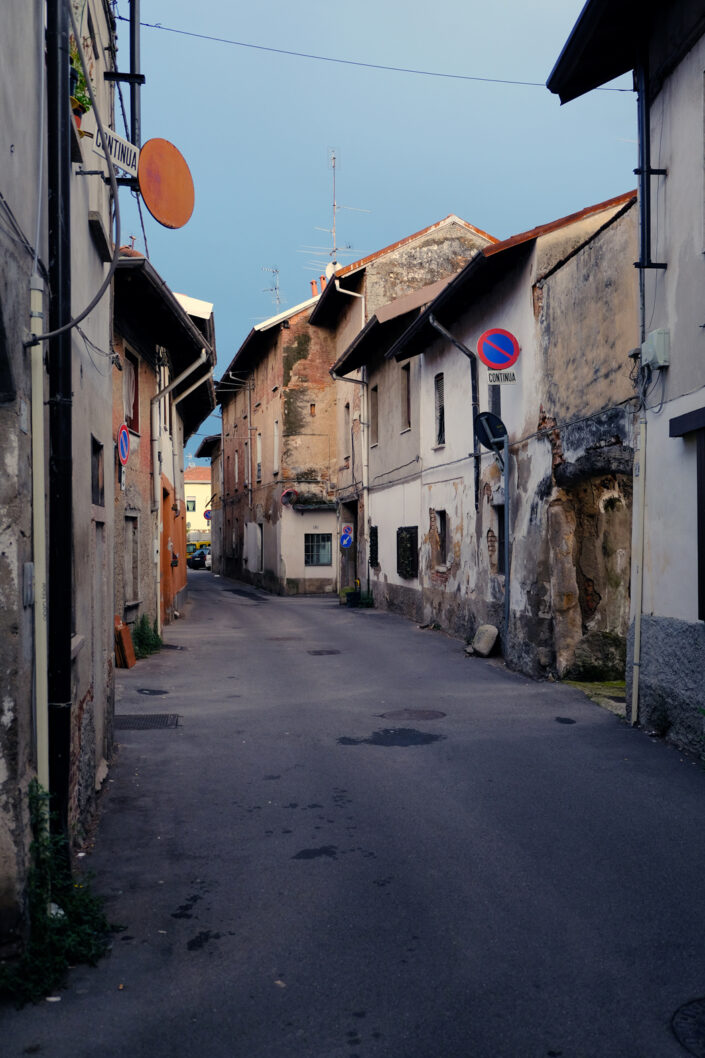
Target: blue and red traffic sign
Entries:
(123, 444)
(498, 349)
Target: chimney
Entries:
(323, 283)
(314, 289)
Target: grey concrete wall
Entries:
(671, 686)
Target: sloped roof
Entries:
(484, 271)
(331, 298)
(386, 326)
(258, 340)
(197, 474)
(148, 314)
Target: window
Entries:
(190, 503)
(97, 474)
(318, 549)
(374, 415)
(347, 438)
(237, 469)
(499, 511)
(439, 537)
(408, 551)
(130, 392)
(313, 410)
(259, 456)
(131, 560)
(275, 460)
(406, 396)
(440, 410)
(374, 546)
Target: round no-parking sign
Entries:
(123, 444)
(498, 349)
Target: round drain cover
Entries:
(414, 714)
(150, 690)
(688, 1025)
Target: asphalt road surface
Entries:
(359, 843)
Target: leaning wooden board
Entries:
(124, 650)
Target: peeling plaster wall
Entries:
(19, 77)
(292, 397)
(570, 481)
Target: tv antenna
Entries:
(274, 289)
(336, 250)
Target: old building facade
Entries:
(436, 498)
(56, 445)
(350, 309)
(279, 457)
(667, 633)
(162, 392)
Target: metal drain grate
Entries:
(688, 1024)
(145, 721)
(320, 653)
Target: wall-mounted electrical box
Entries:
(656, 350)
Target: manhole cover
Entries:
(282, 639)
(150, 691)
(564, 720)
(319, 653)
(172, 646)
(688, 1024)
(413, 714)
(145, 722)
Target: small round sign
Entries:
(123, 444)
(498, 349)
(207, 515)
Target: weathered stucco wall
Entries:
(279, 434)
(570, 489)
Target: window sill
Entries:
(438, 447)
(407, 429)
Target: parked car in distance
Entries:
(199, 559)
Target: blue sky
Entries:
(257, 129)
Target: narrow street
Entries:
(358, 842)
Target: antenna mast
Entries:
(274, 289)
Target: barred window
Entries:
(408, 551)
(374, 546)
(318, 549)
(440, 410)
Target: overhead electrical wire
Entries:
(349, 62)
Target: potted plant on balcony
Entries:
(80, 99)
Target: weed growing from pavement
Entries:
(145, 637)
(66, 920)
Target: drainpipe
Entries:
(644, 172)
(39, 530)
(364, 419)
(475, 398)
(60, 587)
(156, 468)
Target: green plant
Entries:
(66, 920)
(80, 91)
(145, 637)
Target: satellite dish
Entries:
(330, 270)
(166, 184)
(289, 496)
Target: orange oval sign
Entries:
(165, 183)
